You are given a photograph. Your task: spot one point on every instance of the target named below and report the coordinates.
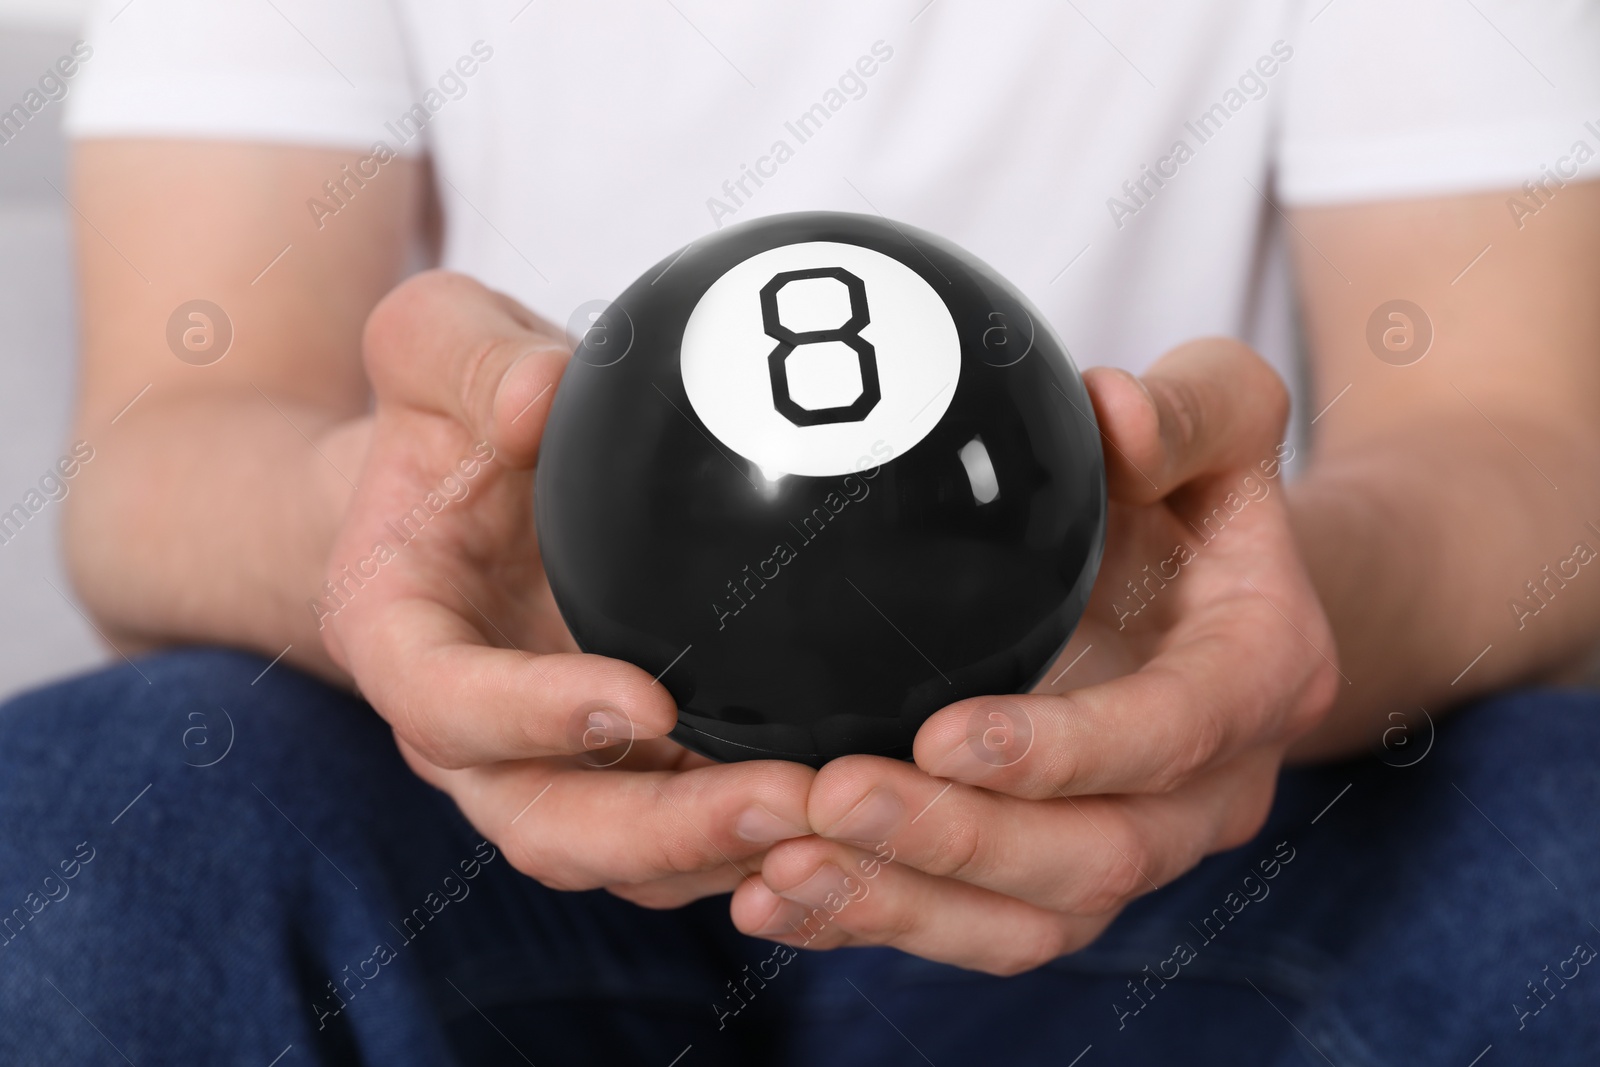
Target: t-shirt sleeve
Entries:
(1426, 97)
(322, 72)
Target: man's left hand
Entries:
(1028, 822)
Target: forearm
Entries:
(217, 486)
(1421, 543)
(208, 518)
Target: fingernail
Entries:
(962, 764)
(875, 818)
(610, 724)
(1138, 381)
(828, 888)
(786, 919)
(760, 826)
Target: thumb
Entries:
(1205, 407)
(445, 344)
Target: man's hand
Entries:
(1027, 823)
(437, 605)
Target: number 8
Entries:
(788, 340)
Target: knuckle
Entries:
(683, 854)
(960, 852)
(1006, 967)
(393, 322)
(676, 848)
(1269, 401)
(1320, 694)
(1118, 874)
(552, 861)
(1171, 776)
(561, 881)
(884, 924)
(1247, 816)
(548, 862)
(655, 896)
(1268, 396)
(821, 930)
(445, 756)
(1175, 773)
(1208, 737)
(480, 377)
(1182, 412)
(1072, 937)
(538, 732)
(422, 732)
(1033, 953)
(1227, 392)
(1058, 771)
(526, 853)
(1240, 829)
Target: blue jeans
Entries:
(198, 868)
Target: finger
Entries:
(679, 890)
(460, 702)
(443, 343)
(820, 894)
(1085, 856)
(1185, 711)
(572, 827)
(1207, 406)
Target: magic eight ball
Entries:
(823, 474)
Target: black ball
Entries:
(823, 474)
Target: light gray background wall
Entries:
(42, 635)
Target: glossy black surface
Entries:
(910, 595)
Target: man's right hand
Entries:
(438, 606)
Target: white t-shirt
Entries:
(1117, 159)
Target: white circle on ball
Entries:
(910, 343)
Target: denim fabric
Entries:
(200, 866)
